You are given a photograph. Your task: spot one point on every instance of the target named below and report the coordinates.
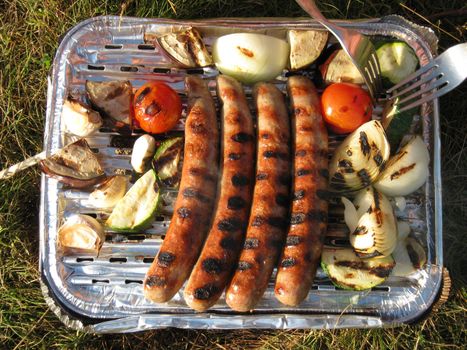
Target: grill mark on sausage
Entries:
(239, 180)
(298, 195)
(242, 137)
(184, 212)
(293, 240)
(212, 266)
(258, 221)
(297, 218)
(206, 292)
(300, 153)
(244, 265)
(164, 259)
(197, 127)
(276, 221)
(229, 225)
(236, 203)
(251, 243)
(228, 243)
(288, 262)
(191, 192)
(303, 172)
(203, 173)
(282, 200)
(155, 281)
(235, 156)
(261, 176)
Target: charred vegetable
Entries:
(136, 210)
(250, 57)
(339, 68)
(346, 270)
(81, 233)
(359, 159)
(143, 150)
(186, 48)
(376, 231)
(406, 171)
(75, 165)
(113, 99)
(305, 46)
(107, 194)
(79, 119)
(409, 256)
(167, 163)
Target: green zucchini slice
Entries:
(166, 162)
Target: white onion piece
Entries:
(403, 230)
(406, 171)
(376, 232)
(81, 233)
(363, 201)
(80, 119)
(250, 57)
(358, 160)
(409, 256)
(143, 149)
(350, 214)
(400, 203)
(109, 193)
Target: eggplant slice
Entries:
(186, 48)
(74, 165)
(113, 99)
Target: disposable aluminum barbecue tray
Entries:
(105, 293)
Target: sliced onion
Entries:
(143, 149)
(358, 160)
(250, 57)
(109, 193)
(406, 171)
(376, 233)
(409, 256)
(350, 214)
(80, 119)
(81, 233)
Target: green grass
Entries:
(29, 35)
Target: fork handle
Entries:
(309, 6)
(12, 170)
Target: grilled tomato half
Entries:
(157, 107)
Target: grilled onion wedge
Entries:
(359, 159)
(376, 233)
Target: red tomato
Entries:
(345, 107)
(157, 107)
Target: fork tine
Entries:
(412, 76)
(423, 80)
(438, 93)
(424, 90)
(377, 71)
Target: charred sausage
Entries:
(308, 220)
(268, 219)
(194, 205)
(220, 252)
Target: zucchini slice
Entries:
(347, 271)
(136, 210)
(396, 60)
(397, 124)
(166, 162)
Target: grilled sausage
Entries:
(194, 205)
(301, 255)
(220, 252)
(268, 219)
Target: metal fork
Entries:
(358, 47)
(440, 76)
